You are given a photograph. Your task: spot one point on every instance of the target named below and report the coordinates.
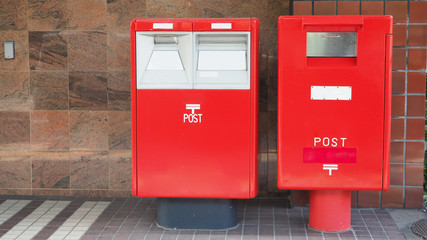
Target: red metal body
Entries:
(334, 145)
(350, 135)
(213, 158)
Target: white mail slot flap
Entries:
(162, 25)
(330, 93)
(165, 60)
(220, 25)
(222, 60)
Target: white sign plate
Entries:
(220, 25)
(330, 93)
(162, 25)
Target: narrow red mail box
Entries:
(334, 95)
(194, 107)
(334, 98)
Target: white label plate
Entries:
(220, 25)
(330, 93)
(162, 25)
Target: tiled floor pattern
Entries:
(37, 220)
(9, 208)
(134, 218)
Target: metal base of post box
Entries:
(196, 213)
(330, 210)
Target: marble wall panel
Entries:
(49, 130)
(118, 49)
(165, 9)
(118, 84)
(49, 90)
(88, 90)
(89, 171)
(15, 171)
(87, 51)
(15, 131)
(48, 51)
(120, 170)
(14, 91)
(86, 15)
(51, 170)
(120, 132)
(88, 130)
(47, 15)
(13, 15)
(121, 12)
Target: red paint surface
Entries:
(216, 158)
(142, 24)
(364, 120)
(330, 210)
(241, 24)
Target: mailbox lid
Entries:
(333, 97)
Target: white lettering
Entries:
(316, 140)
(326, 141)
(343, 139)
(334, 142)
(185, 116)
(193, 118)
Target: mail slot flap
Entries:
(165, 55)
(332, 21)
(164, 60)
(222, 42)
(222, 52)
(331, 44)
(222, 60)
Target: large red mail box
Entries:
(334, 97)
(194, 107)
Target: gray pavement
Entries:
(41, 218)
(404, 218)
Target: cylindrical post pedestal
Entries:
(330, 210)
(196, 213)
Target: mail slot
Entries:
(194, 108)
(334, 98)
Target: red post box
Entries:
(194, 107)
(334, 98)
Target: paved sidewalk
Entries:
(29, 217)
(404, 218)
